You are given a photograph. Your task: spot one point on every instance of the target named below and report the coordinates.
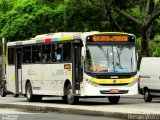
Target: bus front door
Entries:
(76, 76)
(18, 66)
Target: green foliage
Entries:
(138, 45)
(154, 46)
(26, 19)
(23, 19)
(6, 5)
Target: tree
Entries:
(135, 16)
(23, 19)
(26, 19)
(151, 13)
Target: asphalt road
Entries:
(84, 101)
(127, 104)
(15, 114)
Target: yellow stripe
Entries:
(42, 75)
(112, 81)
(70, 75)
(13, 77)
(65, 38)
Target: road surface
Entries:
(128, 107)
(16, 114)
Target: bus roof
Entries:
(59, 36)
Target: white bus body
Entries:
(52, 78)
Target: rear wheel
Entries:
(29, 94)
(3, 91)
(114, 99)
(147, 96)
(71, 99)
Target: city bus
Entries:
(73, 65)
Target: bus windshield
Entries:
(110, 59)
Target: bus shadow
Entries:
(94, 101)
(155, 101)
(90, 103)
(84, 102)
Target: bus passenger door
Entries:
(76, 60)
(18, 71)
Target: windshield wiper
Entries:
(131, 64)
(102, 49)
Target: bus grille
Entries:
(123, 84)
(108, 92)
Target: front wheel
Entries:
(71, 99)
(114, 99)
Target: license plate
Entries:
(114, 90)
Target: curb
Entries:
(46, 109)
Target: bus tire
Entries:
(3, 91)
(113, 99)
(29, 93)
(147, 97)
(71, 99)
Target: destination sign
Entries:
(110, 38)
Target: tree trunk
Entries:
(114, 26)
(145, 44)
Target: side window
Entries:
(46, 53)
(27, 54)
(66, 52)
(58, 52)
(36, 54)
(53, 53)
(10, 56)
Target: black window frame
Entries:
(51, 57)
(9, 56)
(40, 61)
(69, 52)
(26, 53)
(47, 55)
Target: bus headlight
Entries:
(92, 83)
(133, 82)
